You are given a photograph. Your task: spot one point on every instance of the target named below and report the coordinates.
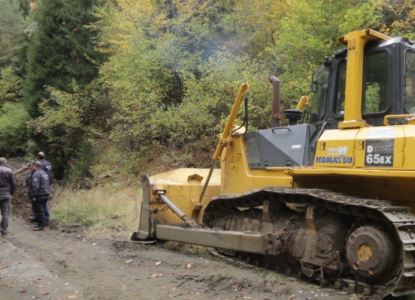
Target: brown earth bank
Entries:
(20, 203)
(64, 262)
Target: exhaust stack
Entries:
(276, 101)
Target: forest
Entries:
(124, 86)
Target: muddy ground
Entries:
(66, 263)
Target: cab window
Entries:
(410, 82)
(320, 87)
(341, 88)
(375, 84)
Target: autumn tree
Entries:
(397, 18)
(308, 32)
(176, 66)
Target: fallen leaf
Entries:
(157, 263)
(154, 276)
(128, 261)
(23, 291)
(189, 265)
(72, 297)
(67, 283)
(292, 296)
(45, 293)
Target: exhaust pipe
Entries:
(276, 100)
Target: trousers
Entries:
(46, 210)
(5, 213)
(47, 213)
(39, 210)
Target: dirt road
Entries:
(63, 263)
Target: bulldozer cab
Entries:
(388, 86)
(387, 73)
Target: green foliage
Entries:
(192, 125)
(173, 72)
(68, 119)
(80, 165)
(396, 18)
(61, 50)
(308, 32)
(174, 83)
(10, 86)
(24, 6)
(176, 68)
(13, 129)
(12, 39)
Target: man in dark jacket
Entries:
(47, 167)
(7, 188)
(39, 192)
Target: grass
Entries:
(273, 275)
(99, 208)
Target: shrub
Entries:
(13, 129)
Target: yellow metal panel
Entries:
(183, 189)
(352, 124)
(238, 178)
(335, 148)
(298, 171)
(395, 133)
(409, 150)
(182, 174)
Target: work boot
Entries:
(38, 228)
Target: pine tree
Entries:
(24, 6)
(12, 37)
(62, 49)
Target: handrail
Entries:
(224, 138)
(411, 117)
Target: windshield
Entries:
(320, 87)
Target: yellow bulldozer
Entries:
(329, 197)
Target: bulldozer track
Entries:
(398, 219)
